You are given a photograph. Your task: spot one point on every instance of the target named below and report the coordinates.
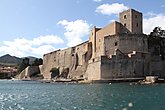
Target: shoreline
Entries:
(114, 80)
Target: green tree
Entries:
(37, 62)
(156, 41)
(23, 65)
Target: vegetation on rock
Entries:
(156, 42)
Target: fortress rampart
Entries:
(119, 50)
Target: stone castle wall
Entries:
(119, 50)
(126, 43)
(74, 58)
(120, 66)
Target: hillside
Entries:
(9, 60)
(13, 60)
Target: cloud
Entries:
(109, 9)
(97, 0)
(48, 39)
(75, 31)
(153, 20)
(22, 47)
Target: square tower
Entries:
(132, 20)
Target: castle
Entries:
(119, 50)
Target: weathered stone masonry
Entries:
(119, 50)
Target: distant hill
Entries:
(9, 60)
(13, 60)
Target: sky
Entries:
(37, 27)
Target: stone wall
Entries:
(93, 71)
(28, 72)
(74, 58)
(126, 43)
(157, 68)
(111, 44)
(112, 29)
(80, 58)
(132, 20)
(59, 59)
(121, 66)
(133, 42)
(108, 53)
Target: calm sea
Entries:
(29, 95)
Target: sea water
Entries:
(31, 95)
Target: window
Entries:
(115, 43)
(125, 16)
(125, 24)
(136, 16)
(137, 24)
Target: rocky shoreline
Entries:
(117, 80)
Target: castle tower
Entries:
(132, 20)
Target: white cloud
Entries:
(43, 49)
(97, 0)
(109, 9)
(153, 20)
(22, 47)
(48, 39)
(75, 31)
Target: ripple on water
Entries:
(40, 96)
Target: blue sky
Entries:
(36, 27)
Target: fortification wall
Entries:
(111, 44)
(112, 29)
(71, 58)
(126, 43)
(79, 60)
(123, 67)
(59, 59)
(133, 42)
(93, 71)
(157, 68)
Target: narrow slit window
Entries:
(137, 24)
(125, 16)
(115, 43)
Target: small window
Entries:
(115, 43)
(136, 16)
(125, 16)
(137, 24)
(125, 24)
